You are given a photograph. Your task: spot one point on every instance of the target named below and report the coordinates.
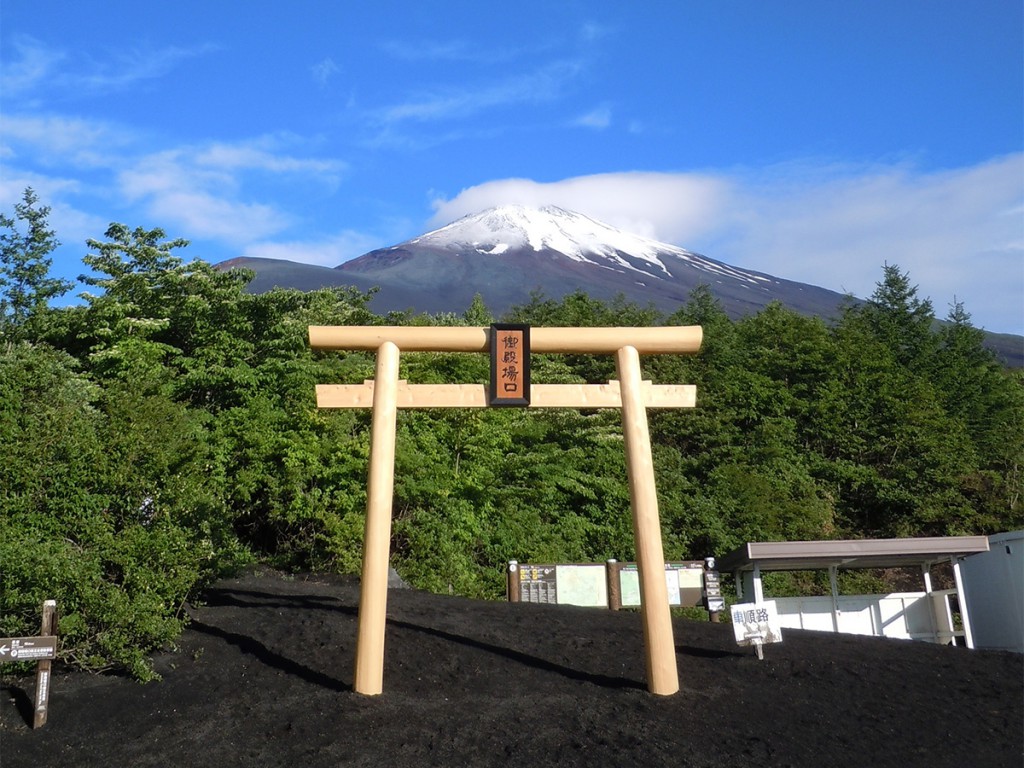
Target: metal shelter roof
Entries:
(850, 553)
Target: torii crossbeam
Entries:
(386, 394)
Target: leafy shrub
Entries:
(104, 508)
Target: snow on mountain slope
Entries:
(575, 236)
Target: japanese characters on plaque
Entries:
(510, 365)
(756, 623)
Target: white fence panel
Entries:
(905, 615)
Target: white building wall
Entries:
(994, 587)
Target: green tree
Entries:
(26, 287)
(898, 318)
(989, 402)
(477, 313)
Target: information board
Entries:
(585, 585)
(685, 583)
(538, 584)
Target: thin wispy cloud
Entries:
(324, 70)
(450, 103)
(131, 67)
(592, 32)
(262, 155)
(599, 118)
(37, 70)
(468, 100)
(444, 51)
(31, 64)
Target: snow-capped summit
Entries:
(511, 228)
(512, 254)
(551, 228)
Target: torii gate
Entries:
(386, 394)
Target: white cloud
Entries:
(326, 252)
(598, 118)
(202, 188)
(52, 139)
(37, 69)
(31, 65)
(959, 233)
(955, 232)
(211, 191)
(670, 207)
(324, 71)
(71, 225)
(543, 84)
(199, 190)
(261, 156)
(203, 215)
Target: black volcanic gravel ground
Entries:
(263, 677)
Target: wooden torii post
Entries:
(386, 394)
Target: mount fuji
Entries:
(511, 253)
(508, 253)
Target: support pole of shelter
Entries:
(756, 588)
(373, 597)
(833, 583)
(662, 674)
(926, 576)
(961, 598)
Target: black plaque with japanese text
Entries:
(510, 365)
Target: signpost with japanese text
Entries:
(41, 649)
(756, 624)
(27, 648)
(510, 385)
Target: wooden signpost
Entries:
(386, 394)
(41, 649)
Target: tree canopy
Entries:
(164, 431)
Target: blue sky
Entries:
(815, 141)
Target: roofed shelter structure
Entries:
(916, 615)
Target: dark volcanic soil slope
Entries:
(263, 678)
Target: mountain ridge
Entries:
(509, 254)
